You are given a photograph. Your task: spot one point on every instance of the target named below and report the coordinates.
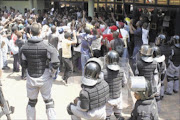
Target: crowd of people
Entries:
(47, 43)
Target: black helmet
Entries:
(158, 57)
(157, 51)
(146, 52)
(176, 41)
(92, 71)
(112, 60)
(161, 39)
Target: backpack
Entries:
(118, 46)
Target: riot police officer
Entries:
(145, 106)
(162, 43)
(114, 76)
(37, 55)
(146, 67)
(173, 70)
(91, 103)
(160, 59)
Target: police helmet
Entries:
(92, 72)
(158, 57)
(146, 53)
(141, 86)
(176, 41)
(112, 60)
(161, 39)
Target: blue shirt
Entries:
(86, 41)
(138, 37)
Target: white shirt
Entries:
(145, 34)
(96, 44)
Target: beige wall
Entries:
(20, 5)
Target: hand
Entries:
(131, 22)
(76, 100)
(84, 13)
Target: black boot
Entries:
(118, 116)
(108, 117)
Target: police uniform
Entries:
(114, 76)
(36, 56)
(148, 70)
(160, 59)
(93, 97)
(145, 110)
(173, 71)
(145, 107)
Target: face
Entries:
(137, 96)
(137, 24)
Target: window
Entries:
(118, 8)
(139, 1)
(162, 1)
(102, 0)
(150, 1)
(126, 1)
(174, 2)
(110, 7)
(102, 7)
(110, 0)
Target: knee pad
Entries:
(32, 102)
(176, 78)
(49, 103)
(169, 78)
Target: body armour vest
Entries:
(146, 110)
(98, 94)
(114, 80)
(35, 52)
(146, 69)
(176, 56)
(165, 50)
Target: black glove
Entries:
(69, 109)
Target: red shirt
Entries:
(110, 36)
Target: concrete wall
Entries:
(20, 5)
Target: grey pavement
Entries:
(14, 90)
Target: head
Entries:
(87, 30)
(15, 29)
(139, 24)
(113, 28)
(176, 41)
(158, 57)
(67, 35)
(97, 25)
(145, 25)
(53, 29)
(112, 60)
(35, 29)
(19, 34)
(146, 53)
(141, 87)
(121, 25)
(92, 72)
(161, 39)
(115, 35)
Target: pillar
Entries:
(91, 8)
